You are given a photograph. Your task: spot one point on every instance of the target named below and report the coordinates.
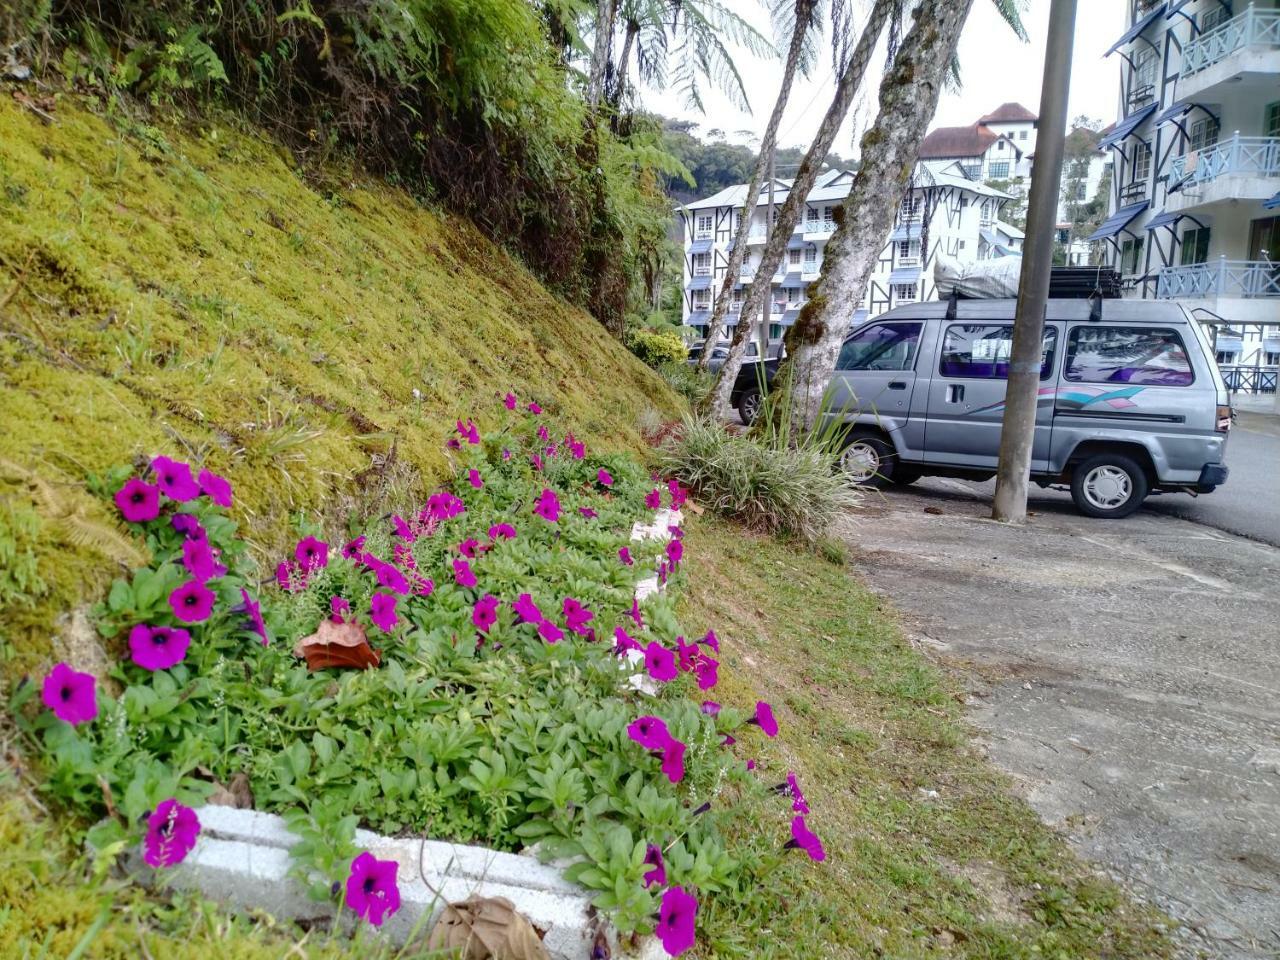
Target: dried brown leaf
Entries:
(337, 645)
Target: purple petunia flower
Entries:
(353, 549)
(653, 499)
(634, 612)
(678, 494)
(158, 648)
(400, 528)
(311, 554)
(799, 804)
(675, 552)
(711, 640)
(199, 559)
(548, 506)
(192, 602)
(549, 632)
(657, 874)
(543, 435)
(576, 449)
(650, 732)
(485, 613)
(623, 641)
(172, 830)
(470, 548)
(502, 531)
(707, 671)
(339, 609)
(468, 432)
(805, 839)
(423, 586)
(216, 488)
(506, 454)
(576, 616)
(688, 654)
(536, 460)
(138, 501)
(728, 740)
(526, 609)
(473, 478)
(588, 513)
(390, 577)
(710, 708)
(660, 662)
(254, 609)
(71, 695)
(188, 524)
(174, 479)
(462, 574)
(604, 477)
(534, 408)
(624, 554)
(371, 888)
(764, 719)
(510, 401)
(382, 611)
(673, 761)
(445, 506)
(677, 918)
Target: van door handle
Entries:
(897, 385)
(955, 392)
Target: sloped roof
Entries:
(970, 141)
(1009, 113)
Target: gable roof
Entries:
(946, 142)
(1009, 113)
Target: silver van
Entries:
(1130, 402)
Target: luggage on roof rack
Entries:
(998, 279)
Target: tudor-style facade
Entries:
(1195, 204)
(942, 211)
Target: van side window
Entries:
(881, 346)
(981, 351)
(1143, 355)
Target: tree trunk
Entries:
(908, 98)
(804, 17)
(620, 76)
(793, 206)
(606, 13)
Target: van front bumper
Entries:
(1212, 476)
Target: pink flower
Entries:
(71, 695)
(158, 648)
(526, 609)
(371, 888)
(650, 732)
(576, 449)
(339, 609)
(675, 552)
(673, 761)
(634, 612)
(707, 671)
(400, 527)
(711, 640)
(470, 548)
(588, 512)
(799, 804)
(485, 612)
(510, 401)
(623, 641)
(174, 479)
(186, 523)
(172, 830)
(543, 435)
(624, 554)
(548, 506)
(536, 460)
(660, 662)
(604, 477)
(311, 554)
(198, 558)
(657, 875)
(469, 432)
(445, 506)
(462, 573)
(677, 917)
(502, 531)
(688, 654)
(678, 494)
(192, 602)
(653, 499)
(576, 616)
(352, 549)
(803, 838)
(710, 708)
(549, 632)
(534, 408)
(216, 488)
(423, 586)
(764, 719)
(138, 501)
(382, 611)
(254, 609)
(473, 478)
(391, 578)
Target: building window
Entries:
(793, 258)
(1082, 192)
(972, 170)
(810, 254)
(1195, 245)
(793, 295)
(1143, 78)
(1271, 120)
(959, 244)
(1128, 355)
(905, 291)
(1203, 133)
(999, 170)
(910, 206)
(1214, 17)
(1000, 146)
(811, 216)
(704, 224)
(1130, 255)
(1225, 356)
(1141, 162)
(1273, 358)
(1022, 134)
(701, 299)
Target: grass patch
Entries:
(929, 852)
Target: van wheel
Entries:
(868, 461)
(1109, 486)
(749, 406)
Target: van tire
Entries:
(869, 460)
(749, 405)
(1109, 486)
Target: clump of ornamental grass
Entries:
(765, 482)
(686, 379)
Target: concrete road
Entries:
(1248, 504)
(1126, 673)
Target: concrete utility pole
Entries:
(768, 231)
(1021, 393)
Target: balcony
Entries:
(1241, 168)
(1244, 48)
(1246, 290)
(819, 229)
(702, 271)
(911, 260)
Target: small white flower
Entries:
(417, 394)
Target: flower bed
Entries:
(460, 673)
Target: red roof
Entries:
(1009, 113)
(947, 142)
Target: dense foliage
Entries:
(502, 709)
(470, 101)
(657, 346)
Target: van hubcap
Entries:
(860, 461)
(751, 407)
(1107, 487)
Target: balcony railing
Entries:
(911, 260)
(703, 234)
(702, 271)
(1256, 156)
(1254, 27)
(820, 226)
(1221, 278)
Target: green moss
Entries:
(207, 301)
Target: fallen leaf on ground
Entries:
(481, 928)
(236, 794)
(337, 645)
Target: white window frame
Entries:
(906, 292)
(793, 258)
(1141, 163)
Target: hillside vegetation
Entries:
(190, 291)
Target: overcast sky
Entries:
(995, 66)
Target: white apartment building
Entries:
(1085, 183)
(1195, 205)
(943, 211)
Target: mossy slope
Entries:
(187, 291)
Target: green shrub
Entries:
(795, 490)
(657, 347)
(686, 379)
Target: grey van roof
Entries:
(1113, 311)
